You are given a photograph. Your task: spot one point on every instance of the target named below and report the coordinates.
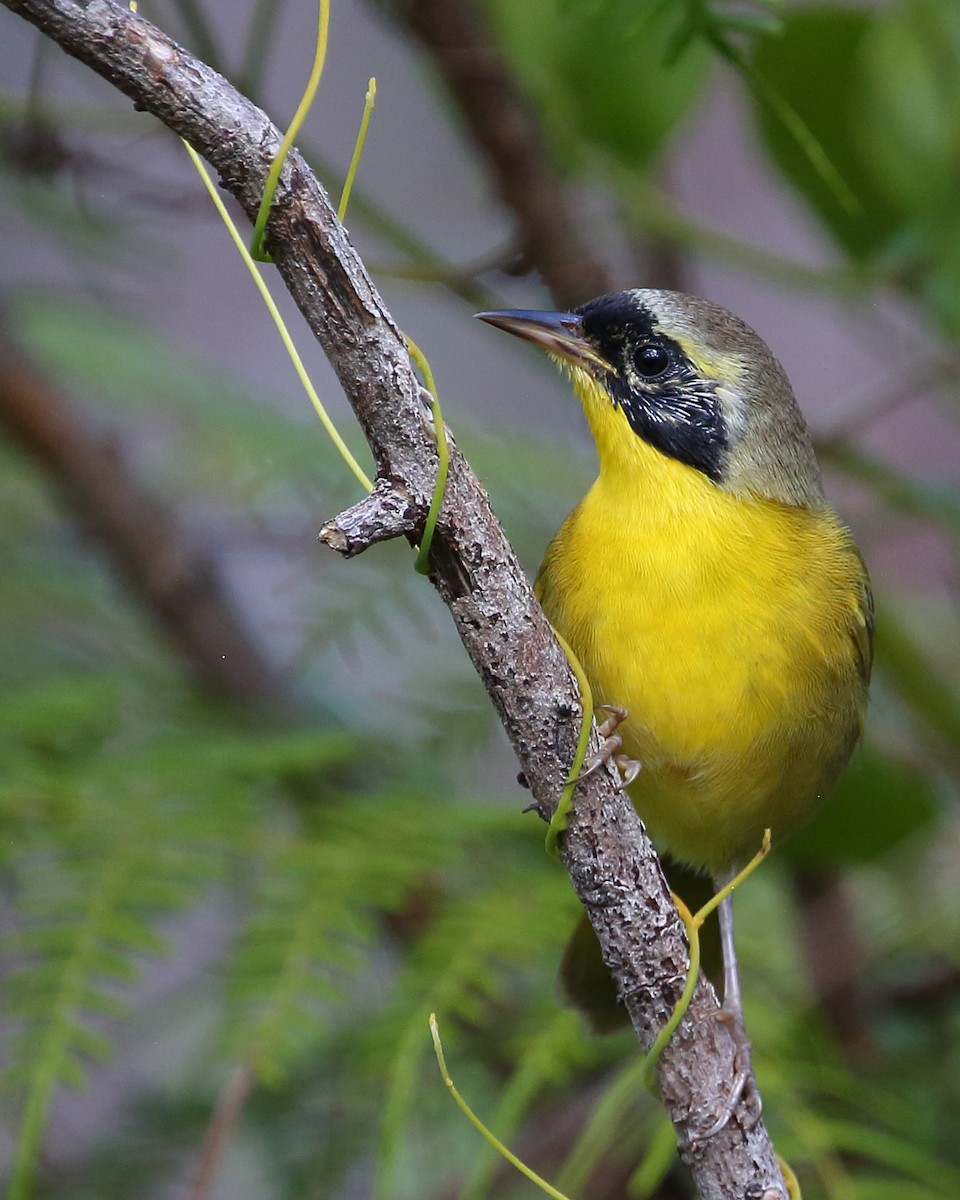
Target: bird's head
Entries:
(686, 378)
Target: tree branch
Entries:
(605, 850)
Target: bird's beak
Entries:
(559, 333)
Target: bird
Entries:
(707, 587)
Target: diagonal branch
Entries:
(605, 850)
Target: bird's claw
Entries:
(610, 750)
(744, 1084)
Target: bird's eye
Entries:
(651, 360)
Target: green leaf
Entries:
(897, 1189)
(907, 108)
(907, 121)
(603, 74)
(939, 279)
(918, 678)
(898, 1153)
(810, 65)
(878, 803)
(626, 96)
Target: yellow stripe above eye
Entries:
(711, 364)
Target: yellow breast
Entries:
(733, 629)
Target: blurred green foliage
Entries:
(878, 87)
(810, 62)
(191, 886)
(603, 74)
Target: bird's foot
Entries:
(611, 749)
(744, 1082)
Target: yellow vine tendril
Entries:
(790, 1179)
(692, 923)
(479, 1125)
(558, 821)
(319, 58)
(422, 564)
(368, 102)
(291, 349)
(257, 252)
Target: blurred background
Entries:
(258, 816)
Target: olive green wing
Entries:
(863, 626)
